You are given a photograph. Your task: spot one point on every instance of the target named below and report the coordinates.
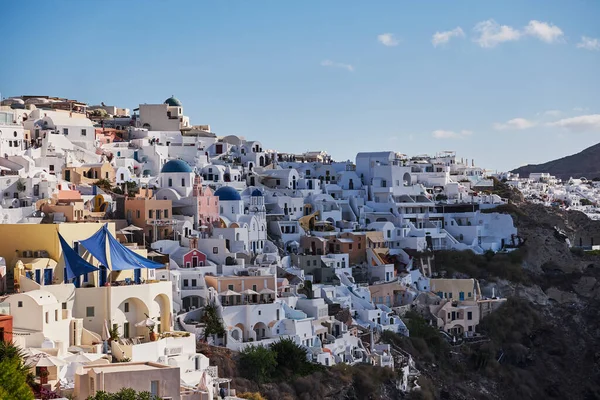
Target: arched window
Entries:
(170, 182)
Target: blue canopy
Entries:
(121, 257)
(96, 245)
(74, 263)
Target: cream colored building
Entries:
(160, 380)
(163, 117)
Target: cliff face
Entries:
(583, 164)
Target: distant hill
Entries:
(583, 164)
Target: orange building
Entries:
(153, 215)
(6, 328)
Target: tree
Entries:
(213, 325)
(103, 184)
(14, 374)
(123, 394)
(291, 358)
(258, 363)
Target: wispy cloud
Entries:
(580, 109)
(332, 64)
(549, 113)
(581, 123)
(544, 31)
(589, 43)
(388, 39)
(443, 134)
(440, 38)
(514, 124)
(490, 33)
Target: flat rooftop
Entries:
(124, 367)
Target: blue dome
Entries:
(176, 166)
(227, 193)
(256, 193)
(173, 102)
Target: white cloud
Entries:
(442, 134)
(490, 33)
(580, 109)
(581, 123)
(544, 31)
(589, 43)
(388, 39)
(332, 64)
(549, 113)
(514, 124)
(444, 37)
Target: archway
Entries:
(261, 330)
(241, 329)
(407, 179)
(162, 308)
(261, 161)
(129, 312)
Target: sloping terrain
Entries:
(583, 164)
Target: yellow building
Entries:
(456, 289)
(34, 249)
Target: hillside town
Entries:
(130, 236)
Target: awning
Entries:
(249, 292)
(267, 291)
(121, 257)
(75, 265)
(229, 293)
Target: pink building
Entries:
(208, 203)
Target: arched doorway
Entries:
(260, 329)
(128, 313)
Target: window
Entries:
(126, 306)
(183, 182)
(308, 263)
(158, 214)
(259, 312)
(469, 315)
(359, 246)
(51, 167)
(254, 287)
(47, 317)
(56, 315)
(83, 132)
(65, 131)
(350, 246)
(92, 386)
(185, 283)
(314, 262)
(469, 294)
(137, 213)
(64, 306)
(89, 312)
(122, 176)
(150, 213)
(9, 143)
(230, 287)
(170, 182)
(194, 282)
(166, 213)
(215, 250)
(20, 304)
(154, 388)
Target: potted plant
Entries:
(44, 375)
(113, 334)
(152, 333)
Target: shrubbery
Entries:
(283, 359)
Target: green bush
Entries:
(258, 363)
(123, 394)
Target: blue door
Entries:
(137, 275)
(38, 276)
(48, 276)
(461, 296)
(102, 275)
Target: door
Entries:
(137, 275)
(102, 274)
(461, 296)
(126, 329)
(38, 276)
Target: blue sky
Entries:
(504, 82)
